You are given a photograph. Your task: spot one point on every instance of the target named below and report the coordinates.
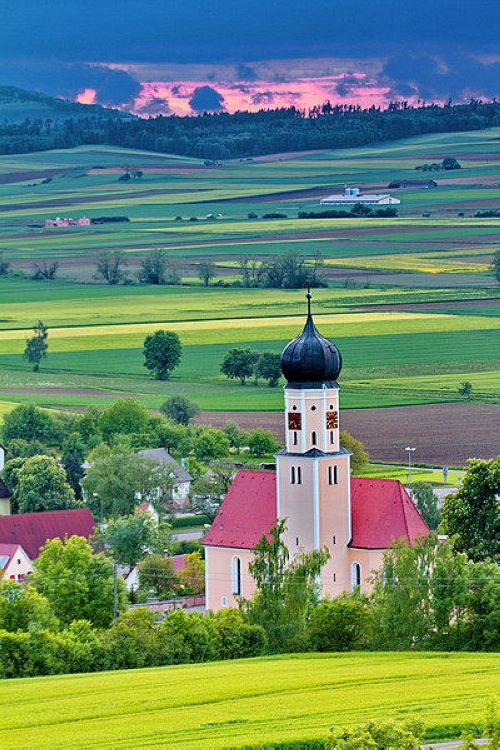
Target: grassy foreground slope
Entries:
(247, 702)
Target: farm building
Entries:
(351, 196)
(312, 489)
(425, 184)
(83, 221)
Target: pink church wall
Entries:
(370, 561)
(218, 572)
(335, 524)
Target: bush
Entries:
(261, 442)
(238, 639)
(340, 624)
(194, 635)
(14, 653)
(133, 640)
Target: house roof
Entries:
(32, 530)
(248, 511)
(381, 510)
(160, 454)
(7, 552)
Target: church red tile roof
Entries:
(31, 530)
(381, 510)
(248, 511)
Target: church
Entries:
(312, 489)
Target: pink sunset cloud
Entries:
(87, 96)
(302, 93)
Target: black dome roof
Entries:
(310, 358)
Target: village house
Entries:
(353, 195)
(181, 478)
(32, 530)
(15, 564)
(180, 475)
(356, 519)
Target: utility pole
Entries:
(410, 451)
(115, 592)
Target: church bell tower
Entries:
(313, 472)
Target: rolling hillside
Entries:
(17, 105)
(246, 703)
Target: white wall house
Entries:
(353, 195)
(14, 562)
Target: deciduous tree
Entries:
(179, 409)
(268, 368)
(42, 485)
(162, 353)
(238, 364)
(471, 516)
(77, 583)
(285, 593)
(37, 346)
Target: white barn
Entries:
(351, 196)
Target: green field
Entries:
(248, 702)
(410, 300)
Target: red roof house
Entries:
(32, 530)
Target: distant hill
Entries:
(17, 105)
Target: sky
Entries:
(190, 56)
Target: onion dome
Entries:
(310, 358)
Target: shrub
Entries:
(340, 624)
(132, 641)
(194, 635)
(238, 639)
(14, 653)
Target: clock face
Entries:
(294, 421)
(332, 420)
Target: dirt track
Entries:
(443, 434)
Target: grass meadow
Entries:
(247, 702)
(410, 300)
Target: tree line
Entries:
(245, 134)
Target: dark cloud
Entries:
(245, 73)
(267, 97)
(263, 97)
(66, 80)
(154, 106)
(430, 77)
(346, 86)
(180, 91)
(206, 99)
(152, 31)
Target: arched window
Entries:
(292, 475)
(356, 576)
(313, 438)
(299, 475)
(236, 576)
(295, 440)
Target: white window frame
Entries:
(236, 575)
(356, 577)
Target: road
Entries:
(450, 745)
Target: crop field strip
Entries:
(391, 346)
(232, 704)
